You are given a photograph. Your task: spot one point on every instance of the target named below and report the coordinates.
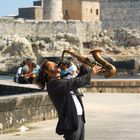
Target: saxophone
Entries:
(109, 70)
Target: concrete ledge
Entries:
(9, 87)
(114, 86)
(25, 108)
(13, 90)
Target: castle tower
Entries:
(52, 10)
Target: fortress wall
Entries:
(47, 27)
(120, 13)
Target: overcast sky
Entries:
(10, 7)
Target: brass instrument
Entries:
(108, 69)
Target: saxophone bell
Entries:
(109, 70)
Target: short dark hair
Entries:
(66, 62)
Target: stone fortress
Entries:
(112, 13)
(50, 26)
(62, 9)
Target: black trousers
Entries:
(80, 133)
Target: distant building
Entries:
(85, 10)
(37, 3)
(88, 10)
(35, 12)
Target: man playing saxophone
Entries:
(67, 99)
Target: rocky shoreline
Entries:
(118, 44)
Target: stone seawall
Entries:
(16, 111)
(47, 27)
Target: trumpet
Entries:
(109, 70)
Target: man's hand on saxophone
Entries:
(96, 70)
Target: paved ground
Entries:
(109, 117)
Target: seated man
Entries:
(20, 78)
(19, 71)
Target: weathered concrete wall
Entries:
(120, 13)
(13, 90)
(16, 111)
(49, 28)
(114, 86)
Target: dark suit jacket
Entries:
(59, 93)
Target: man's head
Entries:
(52, 69)
(48, 70)
(28, 61)
(65, 64)
(34, 64)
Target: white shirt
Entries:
(18, 73)
(73, 71)
(77, 104)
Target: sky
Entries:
(10, 7)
